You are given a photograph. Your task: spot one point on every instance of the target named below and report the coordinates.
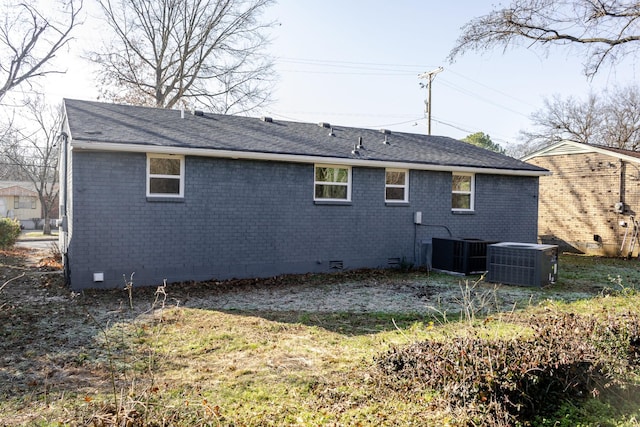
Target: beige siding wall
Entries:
(21, 213)
(577, 202)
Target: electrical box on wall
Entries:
(618, 207)
(417, 217)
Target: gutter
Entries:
(295, 158)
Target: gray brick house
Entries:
(171, 195)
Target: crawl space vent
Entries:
(337, 265)
(393, 262)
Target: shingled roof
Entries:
(16, 190)
(132, 128)
(567, 147)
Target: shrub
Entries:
(567, 358)
(9, 232)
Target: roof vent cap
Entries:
(199, 113)
(324, 125)
(385, 131)
(266, 119)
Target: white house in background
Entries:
(19, 200)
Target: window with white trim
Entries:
(462, 193)
(165, 175)
(332, 183)
(396, 186)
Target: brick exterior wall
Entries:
(577, 202)
(243, 218)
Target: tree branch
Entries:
(607, 29)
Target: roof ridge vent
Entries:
(324, 125)
(385, 131)
(199, 113)
(266, 119)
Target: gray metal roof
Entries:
(96, 122)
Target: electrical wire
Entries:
(368, 69)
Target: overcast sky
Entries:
(356, 63)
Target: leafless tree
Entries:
(611, 118)
(34, 150)
(9, 171)
(200, 53)
(29, 39)
(621, 125)
(607, 29)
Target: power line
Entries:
(354, 73)
(473, 95)
(373, 69)
(361, 64)
(493, 89)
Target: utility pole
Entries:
(429, 76)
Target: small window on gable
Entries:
(462, 192)
(396, 188)
(165, 175)
(332, 183)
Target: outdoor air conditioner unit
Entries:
(460, 255)
(522, 264)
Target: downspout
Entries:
(621, 188)
(621, 197)
(63, 225)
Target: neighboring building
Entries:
(19, 201)
(175, 196)
(591, 200)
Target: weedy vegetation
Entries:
(484, 354)
(9, 232)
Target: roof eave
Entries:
(582, 149)
(85, 145)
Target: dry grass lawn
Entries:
(173, 356)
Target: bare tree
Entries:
(34, 150)
(196, 52)
(607, 29)
(611, 119)
(29, 40)
(9, 171)
(621, 126)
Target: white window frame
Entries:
(150, 175)
(404, 186)
(471, 192)
(347, 184)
